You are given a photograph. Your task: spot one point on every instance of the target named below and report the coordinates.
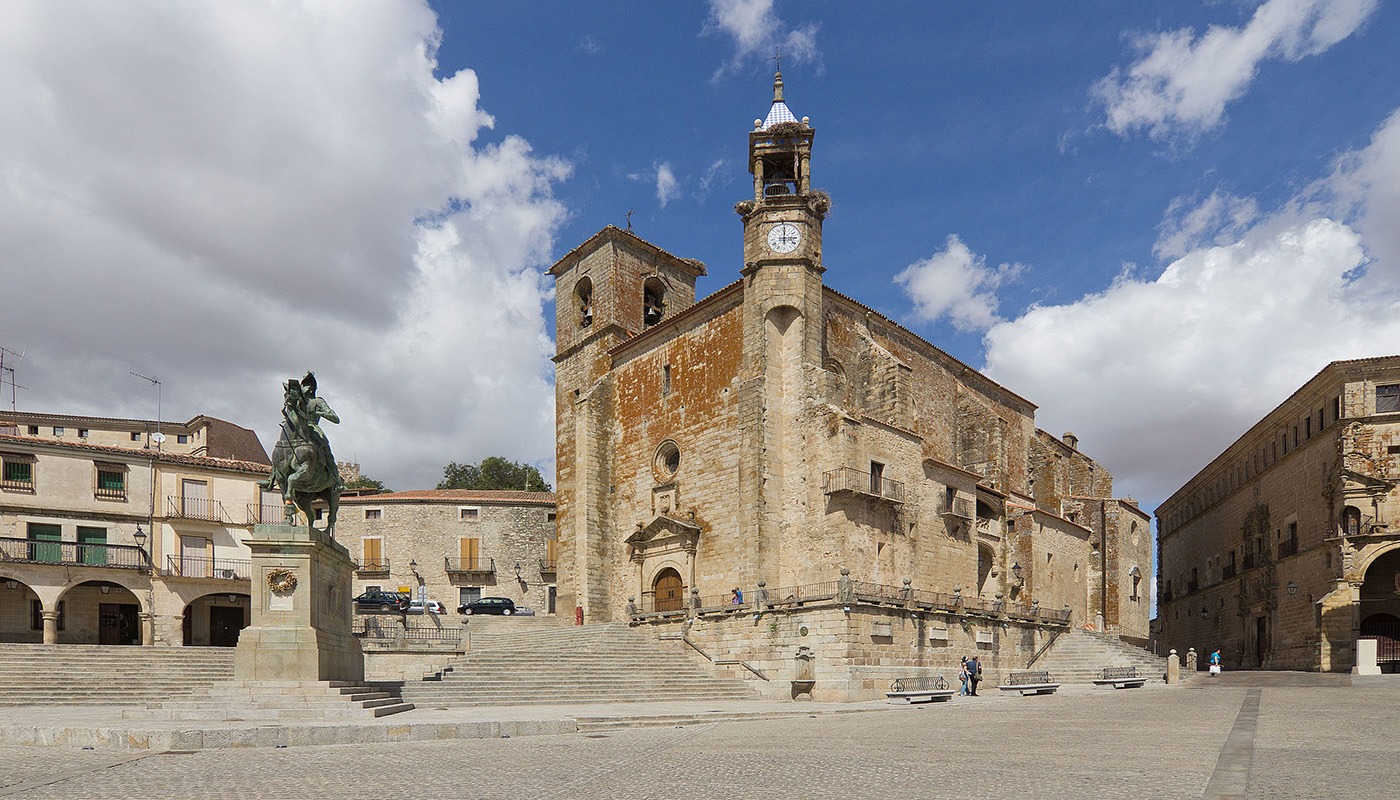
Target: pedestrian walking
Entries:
(974, 674)
(1215, 663)
(962, 677)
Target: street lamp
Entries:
(140, 538)
(1204, 613)
(1292, 588)
(1016, 571)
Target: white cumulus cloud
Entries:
(1158, 376)
(667, 188)
(958, 284)
(1181, 83)
(757, 31)
(226, 195)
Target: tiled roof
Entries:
(138, 453)
(453, 496)
(778, 114)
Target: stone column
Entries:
(50, 626)
(1191, 660)
(148, 628)
(1173, 668)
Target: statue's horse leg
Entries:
(332, 498)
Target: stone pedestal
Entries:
(1366, 663)
(1173, 668)
(301, 614)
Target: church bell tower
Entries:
(783, 222)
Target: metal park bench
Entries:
(927, 689)
(1029, 683)
(1120, 678)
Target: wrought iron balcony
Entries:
(549, 566)
(266, 514)
(119, 556)
(228, 569)
(847, 479)
(373, 566)
(470, 566)
(200, 508)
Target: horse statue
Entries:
(303, 468)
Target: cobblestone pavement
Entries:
(1311, 740)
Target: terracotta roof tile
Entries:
(139, 453)
(453, 496)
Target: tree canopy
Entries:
(364, 482)
(493, 472)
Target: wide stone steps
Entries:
(272, 700)
(1079, 656)
(75, 674)
(595, 663)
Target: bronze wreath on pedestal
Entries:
(281, 580)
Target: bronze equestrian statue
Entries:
(302, 464)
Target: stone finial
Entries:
(908, 581)
(807, 121)
(757, 124)
(1071, 440)
(845, 571)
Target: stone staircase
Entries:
(1078, 656)
(80, 674)
(600, 663)
(276, 700)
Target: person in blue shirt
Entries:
(736, 597)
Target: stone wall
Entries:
(428, 527)
(857, 649)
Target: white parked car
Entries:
(434, 607)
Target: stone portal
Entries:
(301, 615)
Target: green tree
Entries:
(365, 482)
(493, 472)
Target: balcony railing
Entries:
(200, 508)
(120, 556)
(373, 566)
(228, 569)
(18, 485)
(1226, 572)
(549, 566)
(479, 565)
(109, 493)
(266, 514)
(847, 479)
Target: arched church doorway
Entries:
(215, 620)
(1380, 609)
(668, 591)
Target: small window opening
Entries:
(1388, 398)
(877, 477)
(583, 300)
(666, 379)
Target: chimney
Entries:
(1071, 440)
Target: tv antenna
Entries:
(159, 437)
(10, 371)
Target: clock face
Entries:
(784, 237)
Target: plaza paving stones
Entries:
(1314, 737)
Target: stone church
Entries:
(778, 443)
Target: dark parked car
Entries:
(379, 601)
(488, 605)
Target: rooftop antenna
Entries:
(11, 370)
(159, 437)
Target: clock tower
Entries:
(784, 329)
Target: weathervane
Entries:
(629, 220)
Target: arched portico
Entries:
(98, 611)
(21, 610)
(1378, 605)
(215, 619)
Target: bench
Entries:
(1120, 678)
(929, 689)
(1028, 683)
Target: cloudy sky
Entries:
(1153, 219)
